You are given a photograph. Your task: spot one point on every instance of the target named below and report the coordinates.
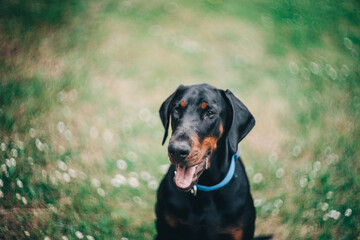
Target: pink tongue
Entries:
(184, 176)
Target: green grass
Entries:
(81, 83)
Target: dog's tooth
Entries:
(174, 172)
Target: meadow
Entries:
(81, 83)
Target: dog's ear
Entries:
(242, 121)
(165, 110)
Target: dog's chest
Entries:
(207, 211)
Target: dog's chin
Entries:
(186, 177)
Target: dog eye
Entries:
(177, 109)
(208, 114)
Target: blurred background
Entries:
(81, 83)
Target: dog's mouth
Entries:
(187, 176)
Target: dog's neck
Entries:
(219, 165)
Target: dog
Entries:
(205, 193)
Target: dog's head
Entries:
(201, 115)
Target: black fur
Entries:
(226, 213)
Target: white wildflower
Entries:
(121, 164)
(62, 165)
(101, 192)
(72, 173)
(94, 132)
(39, 145)
(279, 173)
(348, 212)
(66, 177)
(303, 181)
(145, 175)
(153, 184)
(18, 196)
(95, 182)
(19, 183)
(3, 147)
(133, 182)
(258, 177)
(61, 127)
(278, 203)
(79, 235)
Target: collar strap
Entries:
(221, 184)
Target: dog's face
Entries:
(200, 115)
(197, 121)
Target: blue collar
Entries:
(221, 184)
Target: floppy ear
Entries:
(241, 119)
(165, 113)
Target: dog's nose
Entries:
(179, 150)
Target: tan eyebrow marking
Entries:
(204, 105)
(183, 103)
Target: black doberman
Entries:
(207, 125)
